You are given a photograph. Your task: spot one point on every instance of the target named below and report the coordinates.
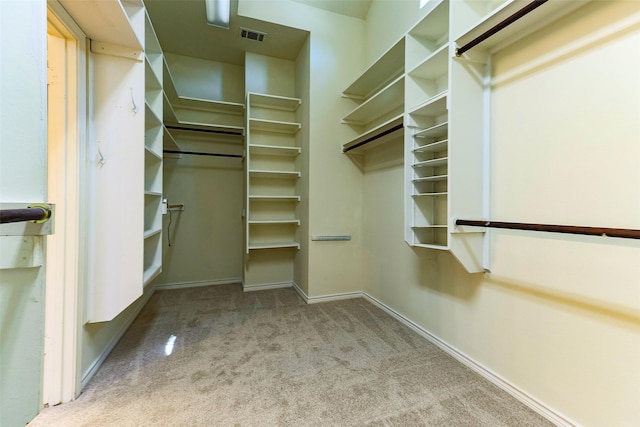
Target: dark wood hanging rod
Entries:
(219, 132)
(373, 138)
(567, 229)
(32, 213)
(197, 153)
(500, 26)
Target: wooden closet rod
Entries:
(220, 132)
(197, 153)
(373, 138)
(36, 213)
(500, 26)
(624, 233)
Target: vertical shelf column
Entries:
(153, 143)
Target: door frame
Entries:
(66, 276)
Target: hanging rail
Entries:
(197, 153)
(567, 229)
(37, 213)
(373, 138)
(500, 26)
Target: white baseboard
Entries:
(494, 378)
(86, 377)
(325, 298)
(265, 286)
(181, 285)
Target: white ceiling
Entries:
(354, 8)
(182, 29)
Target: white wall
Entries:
(23, 159)
(335, 182)
(203, 79)
(206, 238)
(558, 317)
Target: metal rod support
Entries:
(35, 213)
(500, 26)
(624, 233)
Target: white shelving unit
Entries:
(272, 169)
(154, 141)
(379, 94)
(200, 114)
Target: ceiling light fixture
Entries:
(218, 13)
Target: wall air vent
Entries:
(252, 35)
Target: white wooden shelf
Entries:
(433, 147)
(152, 154)
(273, 245)
(524, 26)
(289, 128)
(151, 233)
(273, 174)
(431, 246)
(274, 221)
(360, 140)
(433, 66)
(151, 273)
(417, 196)
(274, 150)
(151, 119)
(237, 130)
(433, 107)
(274, 102)
(153, 193)
(416, 227)
(388, 99)
(436, 178)
(437, 131)
(99, 18)
(275, 198)
(387, 68)
(168, 141)
(433, 163)
(151, 80)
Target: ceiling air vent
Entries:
(252, 34)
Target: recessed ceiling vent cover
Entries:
(252, 35)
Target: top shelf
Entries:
(107, 21)
(274, 102)
(387, 68)
(533, 21)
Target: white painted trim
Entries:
(300, 292)
(196, 284)
(533, 403)
(326, 298)
(266, 286)
(100, 360)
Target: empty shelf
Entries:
(274, 245)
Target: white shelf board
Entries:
(274, 221)
(433, 107)
(151, 119)
(168, 141)
(274, 150)
(533, 21)
(151, 81)
(432, 246)
(153, 193)
(434, 66)
(433, 163)
(388, 99)
(389, 66)
(418, 227)
(435, 24)
(236, 130)
(416, 196)
(275, 198)
(274, 102)
(104, 21)
(149, 152)
(289, 128)
(152, 232)
(371, 138)
(433, 147)
(273, 174)
(435, 178)
(234, 108)
(439, 130)
(151, 273)
(273, 245)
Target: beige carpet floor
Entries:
(215, 356)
